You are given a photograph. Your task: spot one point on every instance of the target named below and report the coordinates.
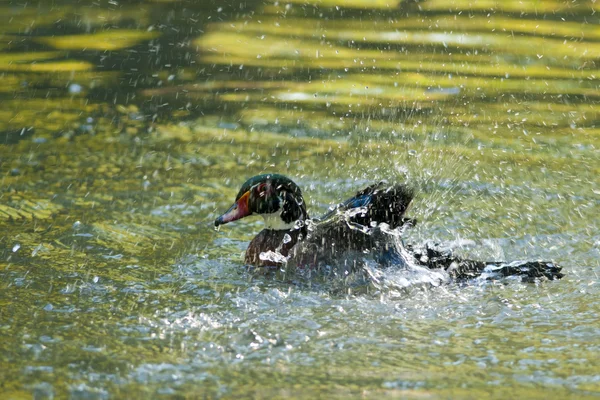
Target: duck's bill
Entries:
(237, 211)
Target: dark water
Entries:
(127, 126)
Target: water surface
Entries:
(127, 127)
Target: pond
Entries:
(127, 127)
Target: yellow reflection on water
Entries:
(115, 39)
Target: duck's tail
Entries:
(462, 269)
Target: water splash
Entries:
(273, 257)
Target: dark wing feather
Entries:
(461, 269)
(380, 202)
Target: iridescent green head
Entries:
(277, 198)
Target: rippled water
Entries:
(127, 127)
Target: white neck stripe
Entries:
(274, 221)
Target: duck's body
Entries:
(368, 223)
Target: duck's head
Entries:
(273, 196)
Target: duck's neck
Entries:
(275, 222)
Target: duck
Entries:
(372, 222)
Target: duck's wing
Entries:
(378, 203)
(354, 225)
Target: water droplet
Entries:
(36, 250)
(75, 88)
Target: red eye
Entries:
(262, 188)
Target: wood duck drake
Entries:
(368, 223)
